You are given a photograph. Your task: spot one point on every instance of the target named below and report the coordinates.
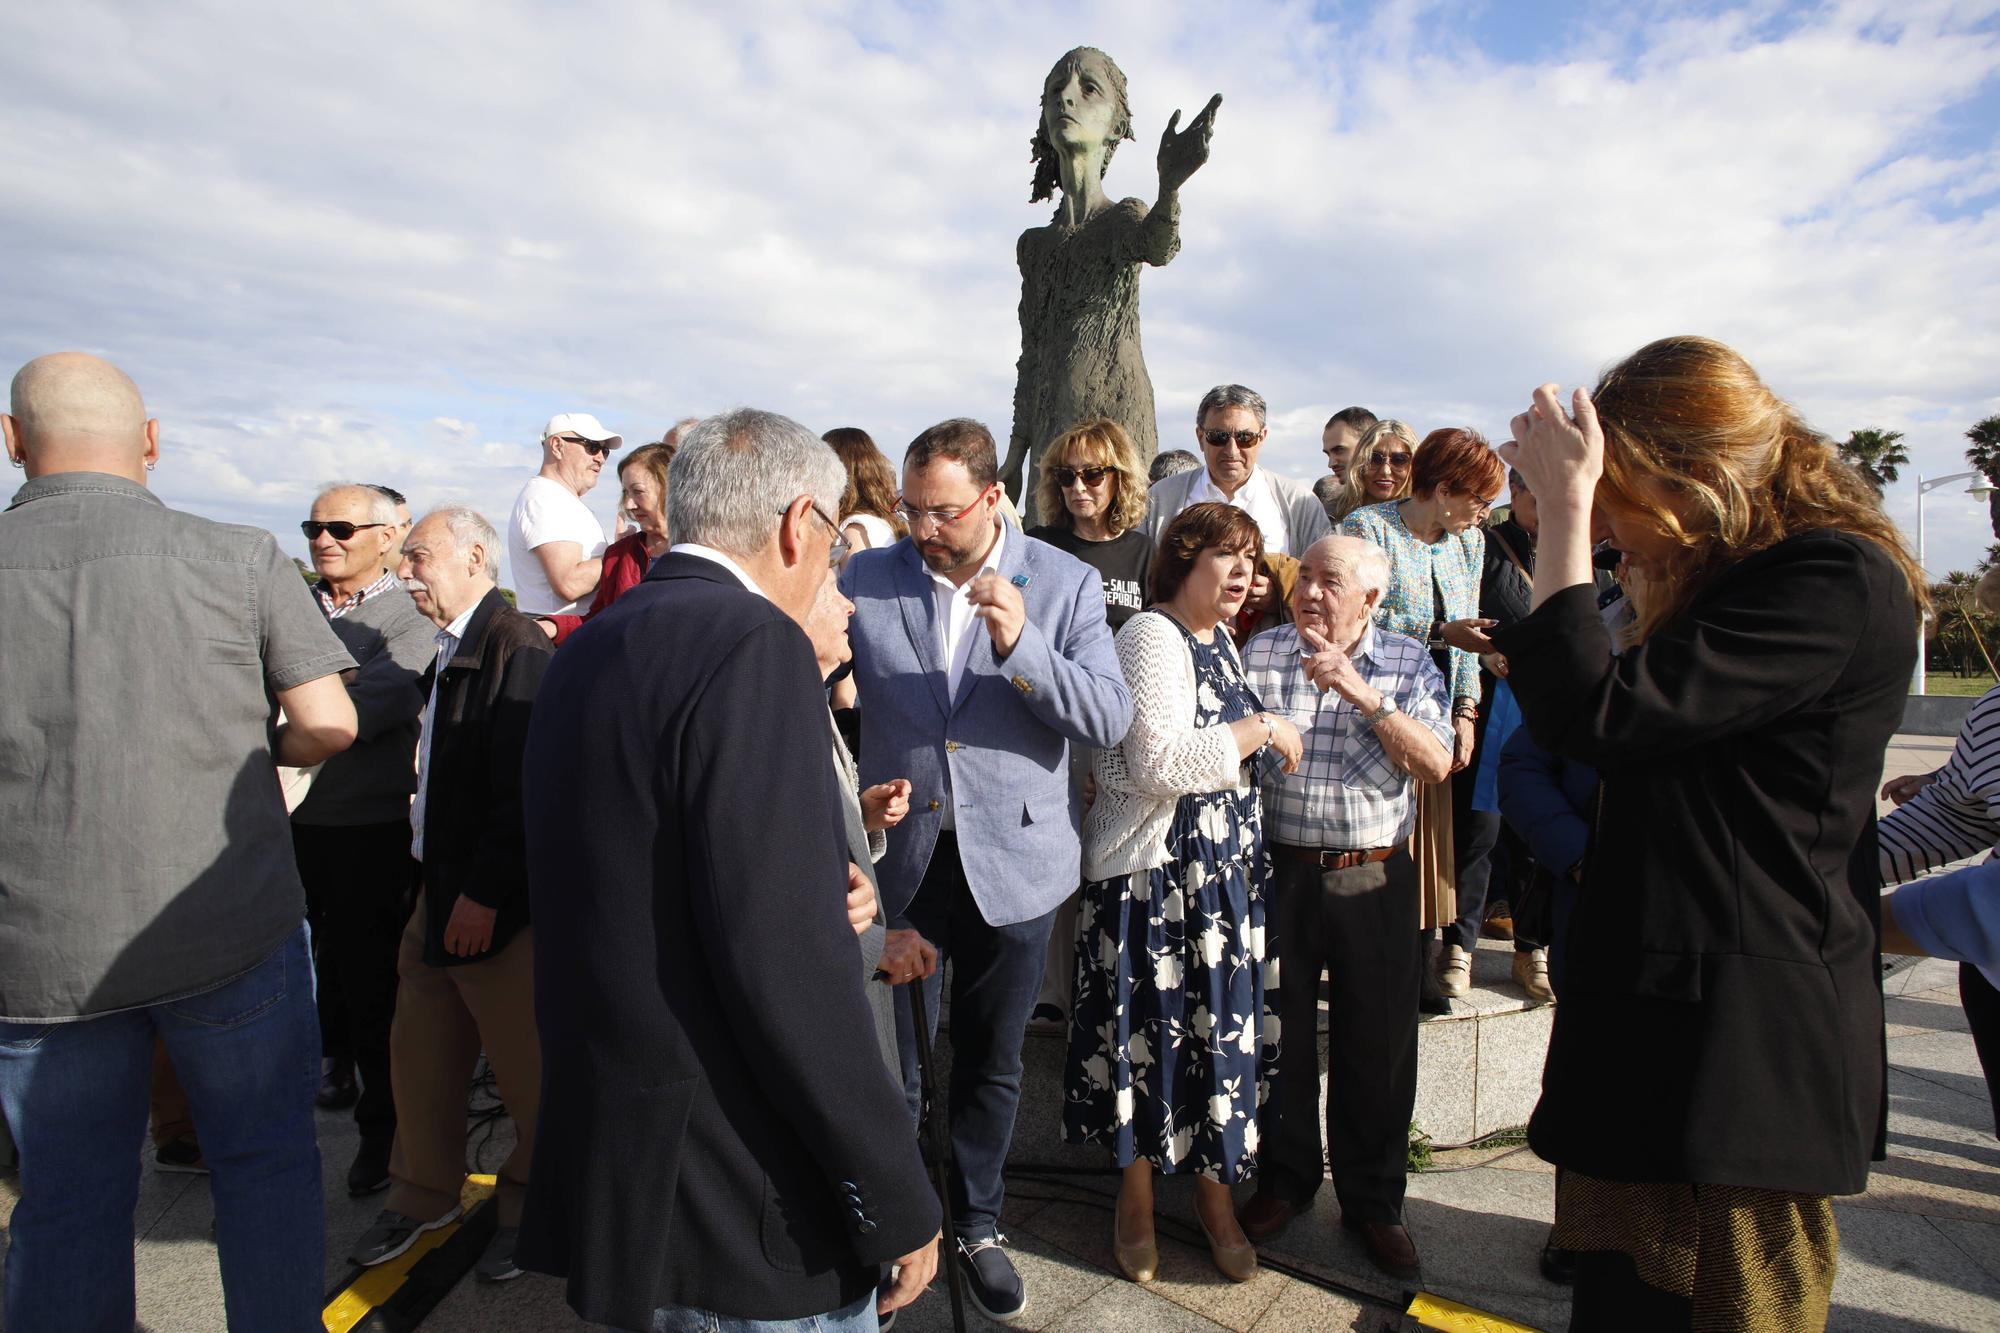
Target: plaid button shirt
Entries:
(1347, 794)
(335, 607)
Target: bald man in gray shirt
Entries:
(147, 887)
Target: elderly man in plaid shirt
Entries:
(1370, 705)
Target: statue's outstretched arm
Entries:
(1182, 154)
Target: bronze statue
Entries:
(1080, 353)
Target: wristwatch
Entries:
(1383, 711)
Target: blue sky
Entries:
(388, 241)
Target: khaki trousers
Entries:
(444, 1015)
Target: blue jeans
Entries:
(856, 1318)
(75, 1094)
(996, 972)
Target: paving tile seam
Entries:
(185, 1184)
(1921, 1077)
(1964, 1253)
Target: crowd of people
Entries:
(673, 835)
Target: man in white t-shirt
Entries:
(554, 542)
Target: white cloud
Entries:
(328, 244)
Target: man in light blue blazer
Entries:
(980, 657)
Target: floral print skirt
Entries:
(1174, 1036)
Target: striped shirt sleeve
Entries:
(1956, 816)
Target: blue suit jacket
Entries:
(999, 751)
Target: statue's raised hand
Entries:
(1181, 154)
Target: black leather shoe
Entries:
(1266, 1215)
(337, 1089)
(1389, 1246)
(370, 1172)
(1559, 1266)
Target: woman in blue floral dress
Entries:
(1174, 1036)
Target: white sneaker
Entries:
(1531, 974)
(1454, 971)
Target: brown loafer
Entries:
(1389, 1246)
(1265, 1216)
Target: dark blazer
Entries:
(862, 847)
(472, 798)
(1721, 1017)
(717, 1127)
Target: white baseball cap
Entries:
(583, 425)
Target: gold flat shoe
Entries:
(1138, 1262)
(1237, 1263)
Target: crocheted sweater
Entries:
(1456, 563)
(1163, 757)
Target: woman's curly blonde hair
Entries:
(1098, 443)
(1698, 448)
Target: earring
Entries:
(151, 466)
(15, 461)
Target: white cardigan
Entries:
(1162, 758)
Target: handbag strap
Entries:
(1507, 549)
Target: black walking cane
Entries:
(934, 1118)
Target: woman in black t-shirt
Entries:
(1091, 487)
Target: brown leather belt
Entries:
(1331, 859)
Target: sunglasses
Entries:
(1245, 439)
(1066, 477)
(599, 448)
(340, 531)
(1397, 461)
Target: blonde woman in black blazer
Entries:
(1717, 1069)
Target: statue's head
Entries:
(1083, 102)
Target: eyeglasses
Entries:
(836, 554)
(1397, 461)
(338, 530)
(1246, 440)
(1067, 477)
(598, 448)
(943, 518)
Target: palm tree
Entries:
(1876, 455)
(1985, 455)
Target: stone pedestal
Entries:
(1479, 1068)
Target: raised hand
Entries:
(998, 602)
(1182, 154)
(1560, 454)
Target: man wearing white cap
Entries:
(554, 542)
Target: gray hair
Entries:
(1230, 395)
(469, 528)
(737, 471)
(1358, 558)
(381, 509)
(1171, 463)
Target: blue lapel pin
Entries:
(1019, 580)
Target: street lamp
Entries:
(1980, 488)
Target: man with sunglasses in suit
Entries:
(555, 545)
(981, 656)
(351, 834)
(1229, 426)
